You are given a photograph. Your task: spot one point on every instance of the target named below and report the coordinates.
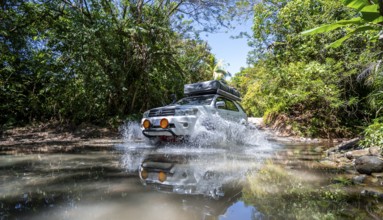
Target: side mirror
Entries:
(220, 104)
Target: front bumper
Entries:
(178, 126)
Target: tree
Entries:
(369, 17)
(368, 21)
(93, 60)
(296, 82)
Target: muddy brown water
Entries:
(103, 181)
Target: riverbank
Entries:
(359, 168)
(286, 137)
(55, 137)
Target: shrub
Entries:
(373, 134)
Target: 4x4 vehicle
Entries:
(203, 101)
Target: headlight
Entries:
(164, 123)
(146, 124)
(161, 176)
(146, 114)
(144, 174)
(190, 111)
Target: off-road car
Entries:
(203, 101)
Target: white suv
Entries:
(204, 101)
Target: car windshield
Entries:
(196, 100)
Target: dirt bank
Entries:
(286, 137)
(54, 137)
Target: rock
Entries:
(343, 161)
(371, 193)
(359, 153)
(375, 151)
(370, 180)
(377, 175)
(329, 163)
(318, 149)
(358, 179)
(349, 156)
(347, 145)
(369, 164)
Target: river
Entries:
(226, 178)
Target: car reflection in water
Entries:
(210, 192)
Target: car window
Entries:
(240, 106)
(196, 100)
(229, 105)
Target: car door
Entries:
(232, 111)
(229, 111)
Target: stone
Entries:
(349, 156)
(347, 145)
(343, 161)
(370, 180)
(377, 175)
(329, 163)
(369, 164)
(375, 151)
(371, 193)
(359, 153)
(318, 149)
(358, 179)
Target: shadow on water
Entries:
(258, 179)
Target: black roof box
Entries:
(212, 87)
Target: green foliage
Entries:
(297, 82)
(372, 78)
(95, 60)
(370, 18)
(373, 134)
(306, 92)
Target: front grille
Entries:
(170, 126)
(161, 112)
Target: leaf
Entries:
(370, 13)
(378, 20)
(339, 42)
(330, 27)
(370, 16)
(370, 8)
(356, 4)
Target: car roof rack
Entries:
(212, 87)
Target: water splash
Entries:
(222, 152)
(135, 146)
(131, 160)
(212, 131)
(131, 131)
(216, 131)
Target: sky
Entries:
(231, 52)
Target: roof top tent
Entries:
(212, 87)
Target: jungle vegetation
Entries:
(102, 61)
(316, 67)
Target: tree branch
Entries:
(175, 8)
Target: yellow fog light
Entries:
(144, 174)
(164, 123)
(146, 124)
(161, 176)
